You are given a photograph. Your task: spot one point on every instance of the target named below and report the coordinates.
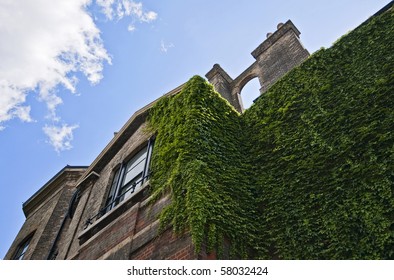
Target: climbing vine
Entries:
(324, 151)
(306, 173)
(198, 160)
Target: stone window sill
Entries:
(118, 210)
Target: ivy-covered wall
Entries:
(306, 173)
(324, 151)
(198, 158)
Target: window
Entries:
(129, 177)
(20, 254)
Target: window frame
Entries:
(22, 248)
(119, 190)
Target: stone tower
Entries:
(277, 55)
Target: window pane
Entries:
(114, 183)
(127, 179)
(135, 166)
(22, 250)
(112, 193)
(128, 189)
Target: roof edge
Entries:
(67, 168)
(118, 136)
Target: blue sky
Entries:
(73, 72)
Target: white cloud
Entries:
(10, 103)
(122, 8)
(107, 7)
(44, 43)
(60, 137)
(150, 16)
(131, 28)
(164, 47)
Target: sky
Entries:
(73, 72)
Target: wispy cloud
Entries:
(117, 9)
(131, 27)
(60, 137)
(44, 43)
(11, 101)
(164, 47)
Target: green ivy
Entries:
(198, 160)
(306, 173)
(324, 151)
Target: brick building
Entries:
(102, 211)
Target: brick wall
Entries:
(46, 217)
(166, 246)
(131, 229)
(134, 235)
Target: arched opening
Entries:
(250, 92)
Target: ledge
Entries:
(107, 218)
(216, 69)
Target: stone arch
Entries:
(242, 83)
(274, 57)
(252, 72)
